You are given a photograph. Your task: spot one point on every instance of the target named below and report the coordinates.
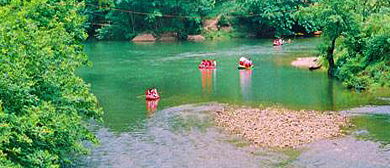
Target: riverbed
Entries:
(177, 130)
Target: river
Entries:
(172, 133)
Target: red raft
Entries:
(245, 63)
(207, 64)
(278, 42)
(151, 94)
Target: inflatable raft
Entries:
(151, 97)
(244, 67)
(207, 67)
(151, 94)
(207, 64)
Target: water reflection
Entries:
(246, 84)
(331, 105)
(278, 48)
(208, 76)
(151, 106)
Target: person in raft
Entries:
(205, 64)
(278, 42)
(248, 64)
(245, 62)
(202, 64)
(151, 94)
(281, 40)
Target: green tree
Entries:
(95, 11)
(336, 18)
(270, 17)
(44, 107)
(356, 35)
(364, 57)
(130, 17)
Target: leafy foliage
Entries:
(43, 104)
(263, 17)
(132, 17)
(358, 33)
(95, 11)
(270, 17)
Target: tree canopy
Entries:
(356, 36)
(44, 106)
(127, 18)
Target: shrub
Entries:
(45, 107)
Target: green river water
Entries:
(122, 71)
(178, 131)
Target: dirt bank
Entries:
(195, 38)
(211, 24)
(274, 127)
(145, 37)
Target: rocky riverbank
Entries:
(276, 127)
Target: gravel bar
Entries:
(278, 127)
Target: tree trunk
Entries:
(329, 56)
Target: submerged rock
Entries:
(273, 127)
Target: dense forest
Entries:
(125, 19)
(45, 108)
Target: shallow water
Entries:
(375, 127)
(343, 152)
(171, 133)
(184, 142)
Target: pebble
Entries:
(278, 127)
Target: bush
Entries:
(44, 106)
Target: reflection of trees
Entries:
(245, 83)
(278, 55)
(330, 93)
(327, 95)
(151, 106)
(207, 80)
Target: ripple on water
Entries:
(191, 142)
(344, 152)
(183, 137)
